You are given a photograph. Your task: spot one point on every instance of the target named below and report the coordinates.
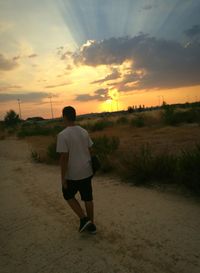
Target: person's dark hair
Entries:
(70, 113)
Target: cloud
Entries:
(58, 85)
(9, 87)
(148, 7)
(156, 63)
(16, 58)
(99, 95)
(32, 55)
(114, 75)
(24, 97)
(6, 64)
(63, 53)
(193, 32)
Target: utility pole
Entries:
(20, 112)
(51, 106)
(158, 100)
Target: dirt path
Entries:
(139, 230)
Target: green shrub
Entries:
(99, 125)
(35, 130)
(138, 121)
(168, 115)
(172, 117)
(189, 169)
(122, 120)
(105, 147)
(57, 129)
(11, 119)
(144, 167)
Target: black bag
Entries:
(96, 165)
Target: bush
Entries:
(172, 117)
(57, 129)
(189, 169)
(11, 118)
(99, 125)
(122, 120)
(105, 147)
(138, 121)
(35, 130)
(168, 115)
(145, 168)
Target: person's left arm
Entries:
(62, 148)
(63, 167)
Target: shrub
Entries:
(57, 129)
(11, 118)
(143, 167)
(138, 121)
(122, 120)
(105, 147)
(168, 115)
(35, 130)
(172, 117)
(189, 168)
(99, 125)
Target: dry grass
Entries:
(161, 138)
(172, 138)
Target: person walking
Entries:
(74, 145)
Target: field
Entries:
(139, 229)
(145, 148)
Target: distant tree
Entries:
(140, 108)
(11, 118)
(130, 109)
(164, 104)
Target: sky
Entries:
(97, 55)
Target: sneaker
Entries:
(84, 222)
(91, 228)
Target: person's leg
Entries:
(74, 204)
(69, 194)
(89, 206)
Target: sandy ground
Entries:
(139, 230)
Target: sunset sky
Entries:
(97, 55)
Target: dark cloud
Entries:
(25, 97)
(148, 7)
(6, 64)
(114, 75)
(99, 95)
(9, 87)
(58, 85)
(63, 53)
(16, 58)
(193, 32)
(156, 63)
(33, 55)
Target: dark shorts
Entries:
(84, 187)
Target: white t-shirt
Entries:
(75, 140)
